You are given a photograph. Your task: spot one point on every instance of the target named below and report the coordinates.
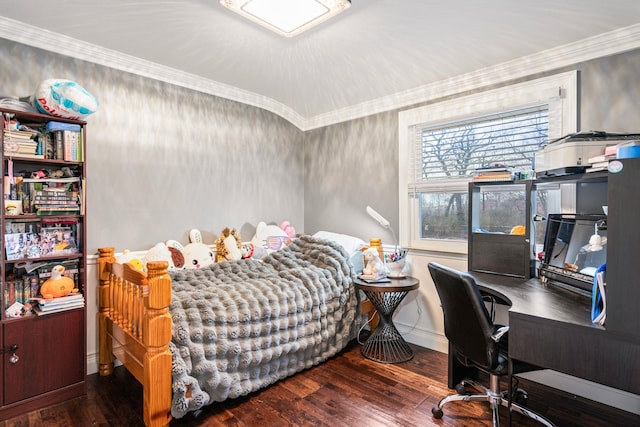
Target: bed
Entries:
(196, 337)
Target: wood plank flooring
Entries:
(347, 390)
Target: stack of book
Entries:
(601, 161)
(21, 143)
(56, 201)
(63, 141)
(625, 149)
(55, 305)
(493, 173)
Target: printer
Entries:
(571, 153)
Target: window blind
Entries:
(444, 155)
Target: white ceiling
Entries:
(375, 53)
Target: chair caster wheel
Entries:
(521, 398)
(460, 389)
(437, 412)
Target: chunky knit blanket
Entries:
(242, 325)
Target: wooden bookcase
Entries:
(43, 225)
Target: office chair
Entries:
(477, 342)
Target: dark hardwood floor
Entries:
(347, 390)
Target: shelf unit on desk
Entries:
(493, 247)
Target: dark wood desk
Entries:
(551, 327)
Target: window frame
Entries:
(559, 92)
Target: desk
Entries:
(385, 343)
(551, 327)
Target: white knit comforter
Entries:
(242, 325)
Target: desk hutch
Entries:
(550, 326)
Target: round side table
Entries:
(385, 344)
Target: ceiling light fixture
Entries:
(287, 17)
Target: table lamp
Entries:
(396, 260)
(383, 222)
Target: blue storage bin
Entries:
(629, 150)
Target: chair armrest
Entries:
(499, 333)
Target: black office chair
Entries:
(477, 342)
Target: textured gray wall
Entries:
(347, 167)
(163, 159)
(351, 165)
(611, 94)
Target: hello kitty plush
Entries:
(196, 253)
(268, 238)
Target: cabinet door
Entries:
(50, 351)
(623, 234)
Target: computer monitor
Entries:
(571, 252)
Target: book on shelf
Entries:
(19, 135)
(55, 125)
(493, 176)
(367, 279)
(496, 172)
(26, 155)
(57, 210)
(41, 312)
(76, 298)
(55, 305)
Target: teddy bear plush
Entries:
(228, 245)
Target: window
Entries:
(442, 144)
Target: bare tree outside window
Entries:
(457, 150)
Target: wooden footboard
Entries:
(135, 327)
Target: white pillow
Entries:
(352, 245)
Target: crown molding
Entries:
(54, 42)
(614, 42)
(611, 43)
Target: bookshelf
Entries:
(43, 340)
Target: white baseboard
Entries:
(423, 337)
(92, 363)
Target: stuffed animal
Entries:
(132, 259)
(268, 238)
(57, 285)
(288, 228)
(161, 252)
(196, 254)
(247, 250)
(374, 268)
(228, 245)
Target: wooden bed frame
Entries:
(135, 327)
